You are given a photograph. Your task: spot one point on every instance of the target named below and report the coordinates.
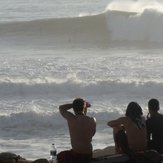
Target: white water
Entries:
(48, 58)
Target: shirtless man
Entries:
(154, 124)
(82, 128)
(129, 131)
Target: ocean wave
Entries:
(25, 125)
(75, 88)
(136, 26)
(34, 122)
(65, 32)
(103, 30)
(30, 119)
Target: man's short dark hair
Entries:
(78, 104)
(153, 104)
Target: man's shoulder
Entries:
(89, 117)
(93, 119)
(160, 115)
(155, 118)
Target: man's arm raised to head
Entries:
(64, 111)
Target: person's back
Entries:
(154, 125)
(130, 131)
(82, 129)
(136, 137)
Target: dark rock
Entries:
(41, 161)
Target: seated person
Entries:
(154, 125)
(82, 128)
(130, 131)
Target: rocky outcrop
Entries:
(7, 157)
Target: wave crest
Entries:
(103, 30)
(75, 88)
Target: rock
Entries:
(7, 157)
(41, 161)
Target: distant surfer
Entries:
(154, 124)
(82, 128)
(130, 131)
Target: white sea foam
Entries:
(136, 27)
(137, 6)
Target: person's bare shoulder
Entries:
(93, 119)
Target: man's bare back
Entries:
(82, 129)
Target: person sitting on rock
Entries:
(82, 128)
(129, 131)
(154, 125)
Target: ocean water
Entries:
(108, 52)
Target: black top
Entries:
(155, 130)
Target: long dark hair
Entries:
(134, 111)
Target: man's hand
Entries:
(88, 104)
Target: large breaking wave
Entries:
(103, 30)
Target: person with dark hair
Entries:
(82, 128)
(129, 132)
(154, 125)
